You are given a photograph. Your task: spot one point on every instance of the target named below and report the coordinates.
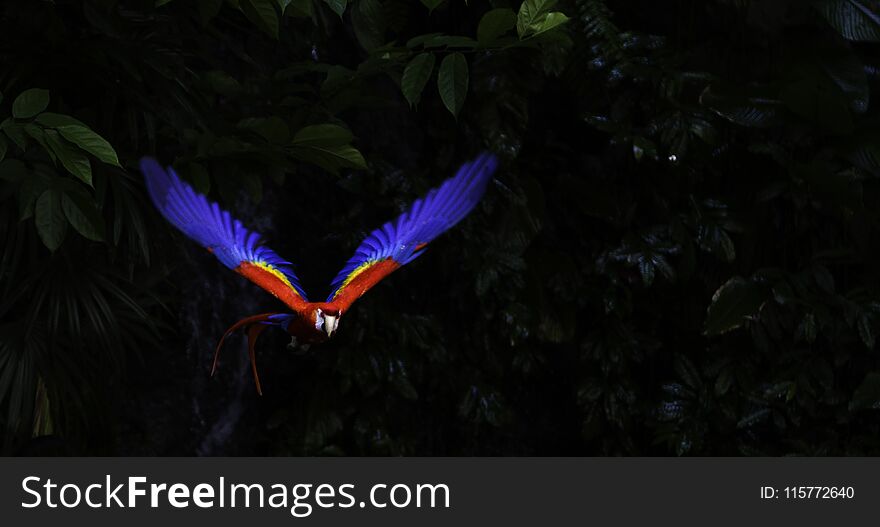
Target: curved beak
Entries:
(330, 323)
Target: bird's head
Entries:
(327, 320)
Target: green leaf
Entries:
(531, 14)
(331, 158)
(369, 22)
(83, 215)
(263, 14)
(450, 41)
(3, 148)
(327, 145)
(222, 83)
(867, 395)
(73, 160)
(337, 6)
(39, 136)
(421, 40)
(15, 132)
(853, 19)
(49, 219)
(30, 103)
(272, 129)
(732, 303)
(91, 142)
(55, 120)
(322, 135)
(744, 107)
(494, 24)
(551, 21)
(416, 76)
(301, 8)
(452, 82)
(432, 4)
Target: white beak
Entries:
(330, 324)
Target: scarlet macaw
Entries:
(381, 253)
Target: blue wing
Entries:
(215, 229)
(404, 239)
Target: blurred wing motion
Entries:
(215, 229)
(399, 242)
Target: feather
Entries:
(404, 239)
(237, 247)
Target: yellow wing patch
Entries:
(351, 276)
(275, 272)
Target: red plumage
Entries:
(380, 254)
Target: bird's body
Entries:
(381, 253)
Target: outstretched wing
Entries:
(399, 242)
(215, 229)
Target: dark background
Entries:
(678, 255)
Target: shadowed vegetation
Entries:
(676, 257)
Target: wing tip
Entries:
(150, 165)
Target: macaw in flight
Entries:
(387, 248)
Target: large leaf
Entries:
(854, 19)
(551, 21)
(732, 304)
(54, 120)
(338, 6)
(494, 24)
(263, 14)
(416, 76)
(39, 135)
(327, 145)
(272, 129)
(30, 103)
(222, 83)
(369, 22)
(531, 14)
(83, 215)
(745, 107)
(323, 135)
(450, 41)
(332, 158)
(73, 159)
(49, 219)
(15, 132)
(452, 82)
(90, 141)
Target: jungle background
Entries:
(678, 255)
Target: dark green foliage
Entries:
(678, 255)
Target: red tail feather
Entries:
(253, 327)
